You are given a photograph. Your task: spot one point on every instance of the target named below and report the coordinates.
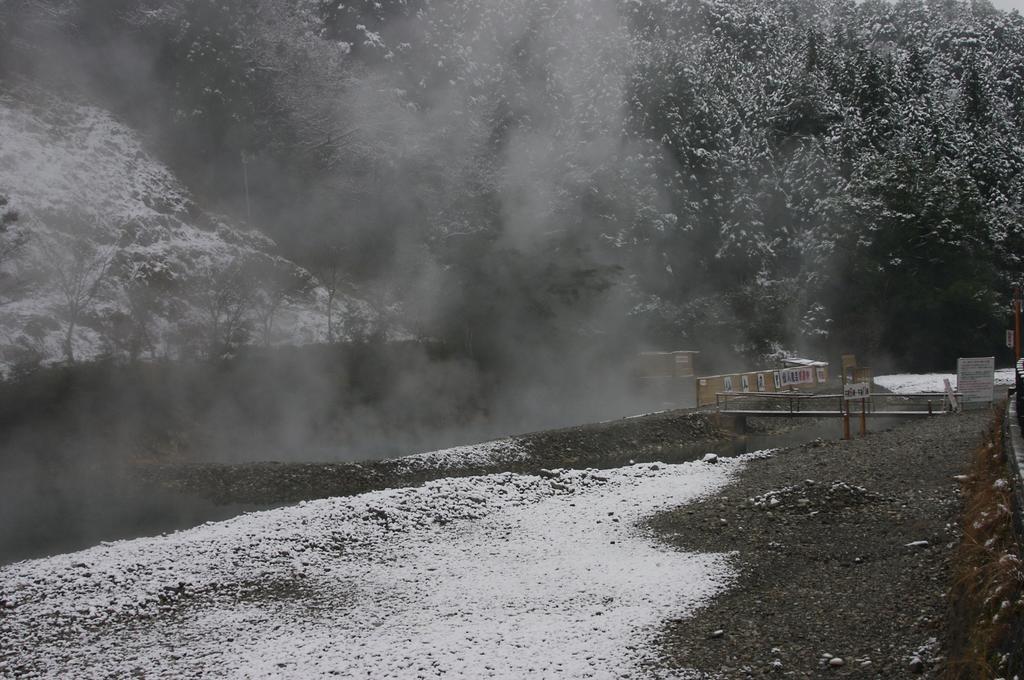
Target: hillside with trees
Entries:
(744, 177)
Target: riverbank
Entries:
(671, 436)
(829, 558)
(844, 552)
(59, 508)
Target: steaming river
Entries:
(52, 511)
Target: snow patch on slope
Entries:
(68, 157)
(916, 383)
(68, 167)
(503, 576)
(912, 383)
(487, 454)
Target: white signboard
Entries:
(975, 380)
(821, 374)
(797, 376)
(853, 391)
(683, 367)
(728, 383)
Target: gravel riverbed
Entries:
(671, 436)
(843, 549)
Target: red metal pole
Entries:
(1017, 325)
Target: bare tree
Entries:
(141, 295)
(275, 279)
(225, 298)
(76, 268)
(330, 273)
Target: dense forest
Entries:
(743, 177)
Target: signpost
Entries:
(684, 364)
(853, 392)
(1016, 324)
(975, 381)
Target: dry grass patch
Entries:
(987, 595)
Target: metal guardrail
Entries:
(797, 404)
(793, 403)
(787, 402)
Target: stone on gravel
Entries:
(836, 662)
(825, 576)
(710, 458)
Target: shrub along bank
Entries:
(987, 595)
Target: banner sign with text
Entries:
(797, 376)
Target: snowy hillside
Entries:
(774, 172)
(115, 247)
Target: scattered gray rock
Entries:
(821, 563)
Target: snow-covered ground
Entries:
(487, 454)
(912, 383)
(498, 576)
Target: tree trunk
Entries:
(268, 328)
(69, 346)
(330, 317)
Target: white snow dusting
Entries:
(487, 454)
(915, 383)
(911, 383)
(69, 163)
(498, 576)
